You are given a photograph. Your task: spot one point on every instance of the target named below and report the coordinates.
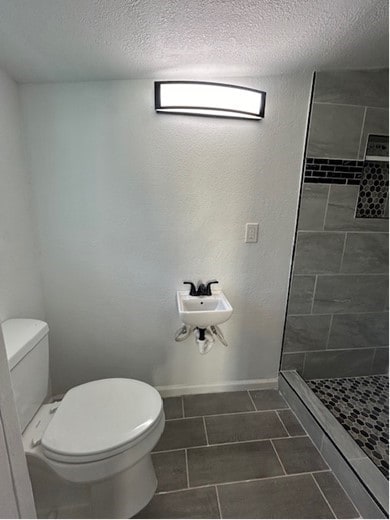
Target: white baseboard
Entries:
(226, 386)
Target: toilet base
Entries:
(125, 494)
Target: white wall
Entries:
(20, 282)
(130, 203)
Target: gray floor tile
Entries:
(171, 470)
(173, 408)
(298, 455)
(194, 503)
(182, 433)
(232, 462)
(210, 404)
(336, 496)
(291, 423)
(268, 400)
(285, 497)
(244, 427)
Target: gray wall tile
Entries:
(366, 253)
(353, 87)
(338, 363)
(380, 364)
(318, 252)
(359, 330)
(375, 122)
(313, 205)
(340, 215)
(335, 131)
(350, 293)
(306, 333)
(301, 294)
(293, 362)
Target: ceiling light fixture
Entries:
(203, 98)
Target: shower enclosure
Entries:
(334, 362)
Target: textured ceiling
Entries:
(74, 40)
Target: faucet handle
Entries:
(208, 287)
(192, 288)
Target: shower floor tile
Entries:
(241, 455)
(361, 405)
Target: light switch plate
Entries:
(251, 232)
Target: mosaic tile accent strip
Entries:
(361, 405)
(333, 171)
(373, 191)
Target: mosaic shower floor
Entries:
(361, 405)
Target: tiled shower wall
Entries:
(337, 323)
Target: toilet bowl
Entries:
(97, 439)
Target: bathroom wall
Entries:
(20, 283)
(337, 322)
(130, 203)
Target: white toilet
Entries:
(92, 448)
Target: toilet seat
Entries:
(100, 419)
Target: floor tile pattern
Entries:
(361, 405)
(240, 455)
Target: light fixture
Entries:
(202, 98)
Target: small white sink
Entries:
(203, 311)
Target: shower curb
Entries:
(362, 480)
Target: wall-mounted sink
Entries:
(203, 311)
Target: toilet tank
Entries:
(27, 346)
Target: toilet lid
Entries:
(96, 418)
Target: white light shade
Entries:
(209, 99)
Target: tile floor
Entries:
(361, 405)
(240, 455)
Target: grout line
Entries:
(361, 136)
(284, 426)
(314, 293)
(277, 455)
(343, 253)
(343, 274)
(231, 413)
(218, 502)
(323, 496)
(228, 443)
(253, 403)
(187, 471)
(326, 208)
(205, 431)
(347, 105)
(338, 231)
(201, 486)
(329, 331)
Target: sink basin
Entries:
(203, 311)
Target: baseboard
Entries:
(226, 386)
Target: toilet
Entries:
(90, 451)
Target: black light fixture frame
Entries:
(175, 109)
